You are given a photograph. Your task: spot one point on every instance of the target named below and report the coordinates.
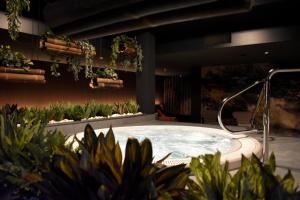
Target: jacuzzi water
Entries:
(182, 141)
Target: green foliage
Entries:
(9, 58)
(258, 181)
(77, 113)
(132, 106)
(105, 110)
(107, 73)
(91, 109)
(60, 111)
(74, 61)
(24, 147)
(14, 9)
(213, 180)
(127, 107)
(96, 171)
(57, 111)
(121, 56)
(44, 115)
(252, 181)
(120, 108)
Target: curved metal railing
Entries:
(264, 95)
(226, 100)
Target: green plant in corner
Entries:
(24, 148)
(253, 180)
(127, 52)
(14, 9)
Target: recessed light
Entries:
(266, 53)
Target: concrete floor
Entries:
(287, 153)
(286, 149)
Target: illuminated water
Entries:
(182, 141)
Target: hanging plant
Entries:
(126, 52)
(14, 9)
(9, 58)
(107, 73)
(75, 53)
(106, 77)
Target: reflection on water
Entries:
(182, 141)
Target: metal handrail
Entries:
(256, 110)
(266, 113)
(230, 98)
(266, 110)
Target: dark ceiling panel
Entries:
(281, 52)
(66, 11)
(129, 12)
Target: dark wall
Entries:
(65, 89)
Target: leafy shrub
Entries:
(96, 171)
(120, 108)
(57, 111)
(132, 106)
(252, 181)
(91, 109)
(104, 110)
(24, 147)
(38, 114)
(77, 113)
(61, 111)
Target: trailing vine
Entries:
(74, 61)
(14, 9)
(126, 52)
(87, 49)
(54, 57)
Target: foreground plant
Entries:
(24, 147)
(96, 171)
(254, 180)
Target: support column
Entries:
(196, 95)
(145, 80)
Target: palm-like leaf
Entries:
(96, 171)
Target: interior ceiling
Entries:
(176, 20)
(277, 53)
(91, 19)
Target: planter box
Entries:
(71, 128)
(12, 74)
(105, 82)
(57, 45)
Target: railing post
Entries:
(266, 120)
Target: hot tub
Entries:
(185, 142)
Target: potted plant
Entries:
(126, 52)
(106, 77)
(15, 67)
